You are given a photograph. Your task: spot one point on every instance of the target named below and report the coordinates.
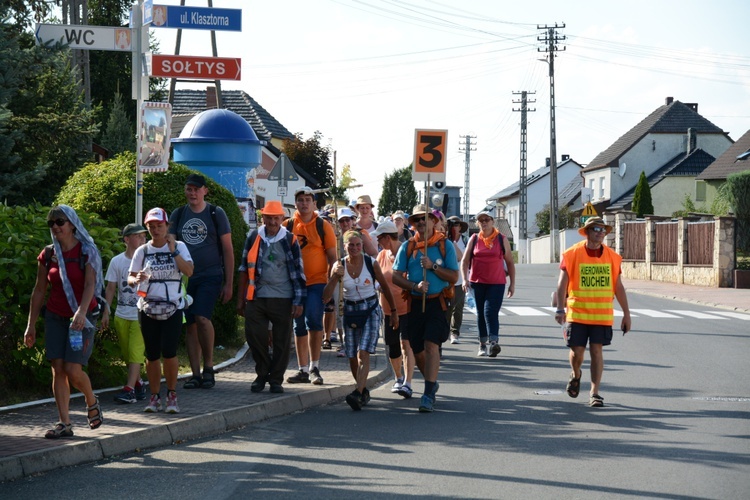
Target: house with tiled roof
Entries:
(734, 160)
(662, 145)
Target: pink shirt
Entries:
(386, 265)
(487, 264)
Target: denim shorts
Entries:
(312, 317)
(56, 343)
(205, 292)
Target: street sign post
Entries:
(195, 67)
(197, 18)
(86, 37)
(429, 155)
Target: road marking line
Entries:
(525, 311)
(696, 314)
(654, 314)
(735, 315)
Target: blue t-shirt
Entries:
(413, 267)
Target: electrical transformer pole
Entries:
(467, 148)
(522, 194)
(550, 39)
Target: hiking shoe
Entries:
(494, 349)
(334, 337)
(397, 385)
(125, 397)
(454, 339)
(315, 377)
(208, 379)
(258, 385)
(301, 377)
(482, 350)
(154, 404)
(405, 391)
(276, 388)
(365, 396)
(354, 400)
(426, 404)
(140, 392)
(172, 403)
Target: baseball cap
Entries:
(133, 229)
(385, 227)
(196, 180)
(346, 212)
(304, 190)
(156, 215)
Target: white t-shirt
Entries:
(117, 272)
(163, 267)
(459, 244)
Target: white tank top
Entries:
(363, 287)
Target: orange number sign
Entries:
(429, 155)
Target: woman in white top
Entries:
(358, 274)
(157, 269)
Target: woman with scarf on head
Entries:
(72, 269)
(483, 268)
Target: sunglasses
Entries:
(599, 229)
(484, 221)
(418, 219)
(59, 222)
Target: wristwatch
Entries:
(175, 253)
(435, 266)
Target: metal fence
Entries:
(634, 240)
(700, 243)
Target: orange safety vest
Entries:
(591, 285)
(252, 260)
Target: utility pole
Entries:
(467, 148)
(523, 196)
(550, 39)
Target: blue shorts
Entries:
(56, 343)
(312, 317)
(205, 292)
(578, 334)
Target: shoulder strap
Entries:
(370, 267)
(49, 250)
(320, 226)
(290, 224)
(175, 218)
(470, 247)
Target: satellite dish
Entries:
(622, 170)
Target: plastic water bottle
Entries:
(75, 337)
(142, 290)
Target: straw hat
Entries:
(594, 221)
(454, 219)
(421, 210)
(364, 200)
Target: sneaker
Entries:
(482, 350)
(426, 404)
(494, 349)
(405, 391)
(354, 400)
(301, 377)
(154, 404)
(140, 392)
(454, 339)
(397, 385)
(315, 377)
(365, 396)
(334, 337)
(172, 403)
(126, 396)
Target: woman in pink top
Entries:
(483, 268)
(396, 341)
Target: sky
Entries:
(367, 73)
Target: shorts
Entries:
(130, 340)
(161, 336)
(430, 325)
(392, 336)
(205, 292)
(330, 306)
(311, 318)
(56, 343)
(578, 334)
(362, 339)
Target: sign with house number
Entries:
(429, 155)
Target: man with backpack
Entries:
(426, 264)
(205, 229)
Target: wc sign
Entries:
(85, 37)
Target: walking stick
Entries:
(426, 239)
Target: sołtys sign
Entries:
(201, 68)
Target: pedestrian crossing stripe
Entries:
(634, 313)
(698, 315)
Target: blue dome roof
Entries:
(217, 125)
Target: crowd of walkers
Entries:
(319, 276)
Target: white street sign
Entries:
(86, 37)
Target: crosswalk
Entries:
(634, 313)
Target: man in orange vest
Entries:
(589, 281)
(271, 288)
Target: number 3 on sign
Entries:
(429, 155)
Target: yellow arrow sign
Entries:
(588, 211)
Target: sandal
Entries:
(60, 430)
(574, 386)
(327, 344)
(596, 401)
(208, 378)
(193, 383)
(98, 419)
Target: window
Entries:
(591, 185)
(700, 190)
(601, 187)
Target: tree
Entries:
(338, 192)
(565, 218)
(119, 135)
(738, 186)
(642, 204)
(311, 157)
(398, 192)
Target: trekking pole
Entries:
(426, 239)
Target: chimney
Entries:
(692, 105)
(668, 100)
(546, 162)
(211, 101)
(692, 140)
(565, 157)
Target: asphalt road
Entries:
(676, 425)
